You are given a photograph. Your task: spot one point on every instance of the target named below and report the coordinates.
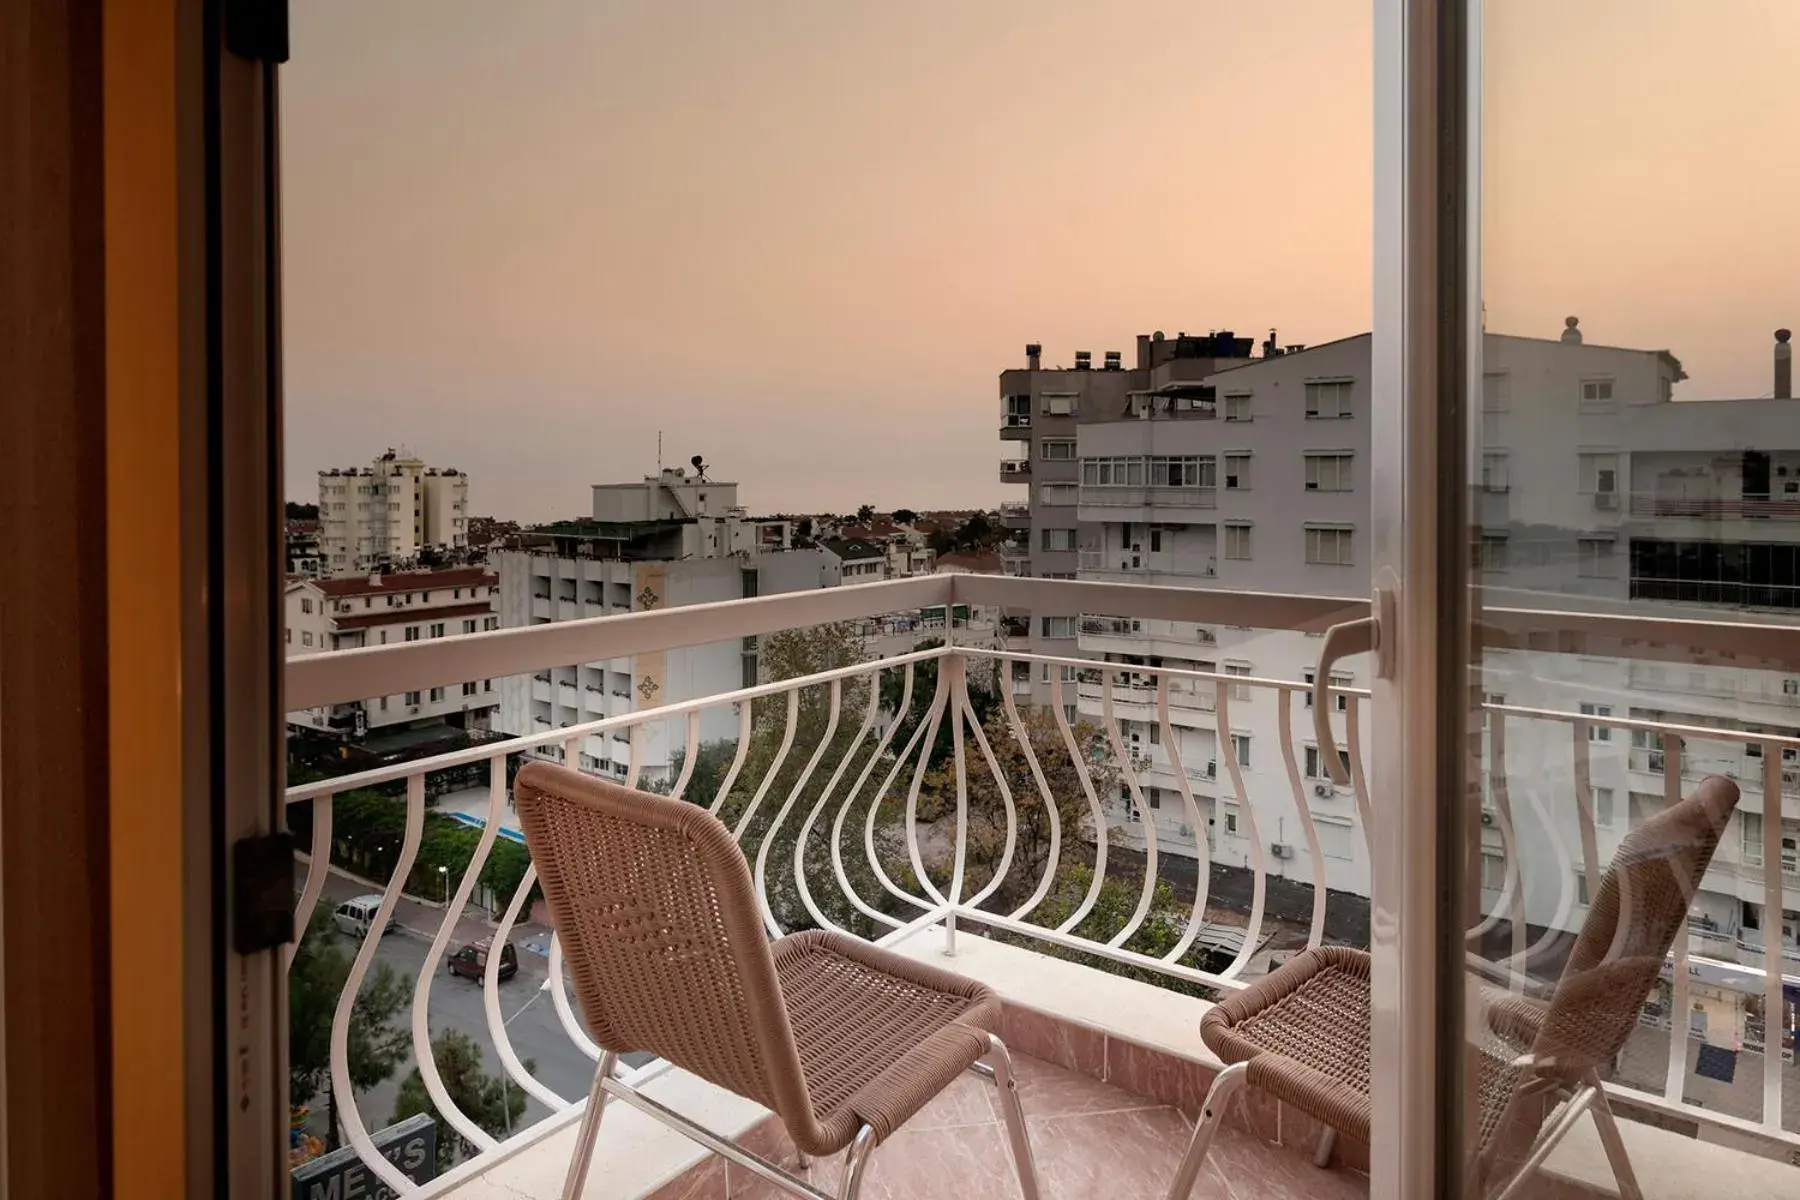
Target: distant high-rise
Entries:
(386, 514)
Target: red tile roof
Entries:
(985, 563)
(409, 581)
(411, 615)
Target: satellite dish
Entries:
(699, 465)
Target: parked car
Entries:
(355, 916)
(471, 961)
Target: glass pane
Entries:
(1638, 454)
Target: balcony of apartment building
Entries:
(1105, 962)
(1015, 470)
(1128, 635)
(1015, 514)
(1015, 418)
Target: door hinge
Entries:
(262, 892)
(257, 29)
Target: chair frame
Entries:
(996, 1068)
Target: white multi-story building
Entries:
(387, 514)
(344, 614)
(1596, 488)
(669, 540)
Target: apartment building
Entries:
(667, 540)
(1596, 487)
(324, 615)
(1041, 409)
(388, 513)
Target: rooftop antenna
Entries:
(659, 452)
(699, 467)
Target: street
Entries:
(526, 1008)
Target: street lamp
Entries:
(444, 874)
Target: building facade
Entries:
(324, 615)
(1596, 488)
(669, 540)
(389, 513)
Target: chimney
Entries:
(1143, 357)
(1114, 360)
(1571, 334)
(1084, 360)
(1784, 365)
(1034, 355)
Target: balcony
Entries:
(829, 769)
(1710, 508)
(1015, 427)
(1015, 548)
(1122, 566)
(1015, 470)
(1015, 514)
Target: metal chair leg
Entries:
(1328, 1143)
(1608, 1126)
(856, 1158)
(1548, 1140)
(1226, 1084)
(590, 1128)
(1010, 1109)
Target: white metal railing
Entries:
(873, 769)
(1125, 563)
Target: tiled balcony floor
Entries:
(1091, 1140)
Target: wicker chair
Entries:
(664, 939)
(1302, 1034)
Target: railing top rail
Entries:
(1699, 733)
(321, 679)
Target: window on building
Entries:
(437, 693)
(1059, 406)
(1057, 449)
(1154, 796)
(1496, 391)
(1599, 474)
(1237, 541)
(1240, 745)
(1596, 559)
(1058, 627)
(1327, 398)
(1328, 472)
(1315, 762)
(1058, 493)
(1228, 816)
(1581, 886)
(1239, 691)
(1603, 807)
(290, 636)
(1237, 407)
(490, 622)
(1337, 837)
(1598, 732)
(1328, 546)
(1057, 539)
(412, 698)
(1237, 472)
(468, 689)
(469, 625)
(1494, 475)
(1491, 554)
(412, 633)
(1493, 870)
(1597, 395)
(437, 629)
(306, 639)
(305, 605)
(1790, 687)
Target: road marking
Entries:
(527, 1004)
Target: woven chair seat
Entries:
(879, 1035)
(1305, 1033)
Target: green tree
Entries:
(905, 516)
(377, 1045)
(865, 514)
(710, 766)
(493, 1102)
(987, 807)
(981, 678)
(1119, 897)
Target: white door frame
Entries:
(1424, 340)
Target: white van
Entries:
(355, 916)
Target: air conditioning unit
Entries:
(1281, 850)
(1323, 790)
(413, 711)
(1606, 501)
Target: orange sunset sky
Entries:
(801, 237)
